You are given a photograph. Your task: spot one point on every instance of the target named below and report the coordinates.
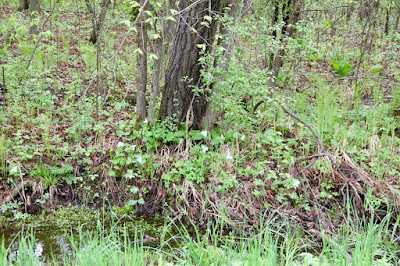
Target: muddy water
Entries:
(53, 232)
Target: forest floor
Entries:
(310, 155)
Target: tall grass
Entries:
(104, 247)
(3, 252)
(365, 243)
(28, 252)
(95, 247)
(360, 243)
(270, 246)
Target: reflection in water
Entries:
(38, 250)
(64, 246)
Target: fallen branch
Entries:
(286, 110)
(310, 127)
(310, 157)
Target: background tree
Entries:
(34, 9)
(98, 21)
(23, 5)
(290, 15)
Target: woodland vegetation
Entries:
(275, 121)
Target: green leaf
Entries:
(134, 190)
(126, 22)
(156, 36)
(323, 194)
(196, 135)
(153, 56)
(202, 46)
(208, 18)
(134, 4)
(138, 50)
(170, 18)
(203, 23)
(112, 173)
(258, 182)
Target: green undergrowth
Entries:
(77, 148)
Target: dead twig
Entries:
(17, 189)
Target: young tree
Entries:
(185, 94)
(141, 64)
(99, 21)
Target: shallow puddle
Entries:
(53, 231)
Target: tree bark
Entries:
(387, 21)
(141, 67)
(98, 22)
(183, 73)
(159, 47)
(34, 9)
(23, 5)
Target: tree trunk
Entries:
(387, 21)
(34, 9)
(141, 67)
(158, 50)
(159, 47)
(396, 25)
(213, 111)
(23, 5)
(290, 18)
(275, 17)
(89, 6)
(98, 22)
(183, 73)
